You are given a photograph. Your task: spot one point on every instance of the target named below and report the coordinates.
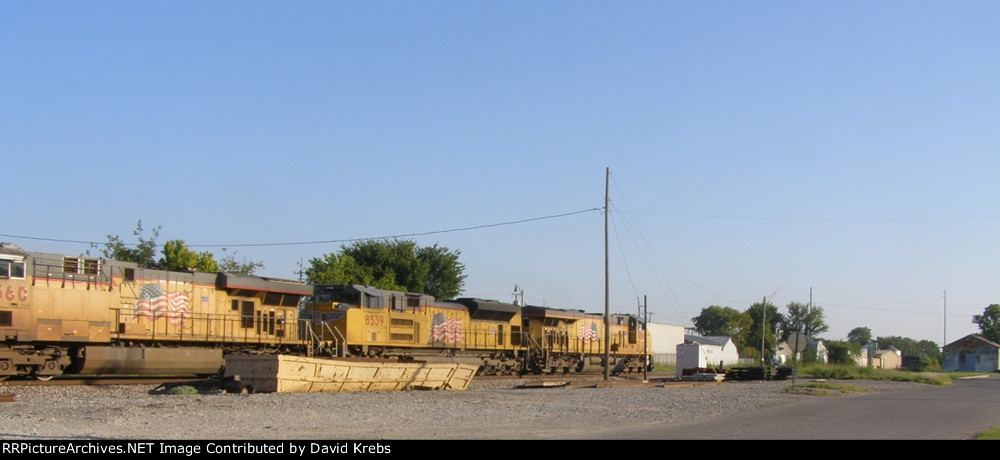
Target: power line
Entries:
(300, 243)
(825, 219)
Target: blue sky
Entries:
(846, 150)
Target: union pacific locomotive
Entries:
(501, 338)
(93, 316)
(81, 315)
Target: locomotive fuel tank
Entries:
(198, 361)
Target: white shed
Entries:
(705, 352)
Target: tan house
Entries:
(886, 359)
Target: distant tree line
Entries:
(745, 329)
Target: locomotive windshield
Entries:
(333, 294)
(11, 268)
(11, 261)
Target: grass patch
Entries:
(823, 389)
(992, 434)
(665, 369)
(183, 390)
(840, 372)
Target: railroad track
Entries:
(593, 380)
(8, 387)
(102, 380)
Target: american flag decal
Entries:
(155, 303)
(588, 333)
(445, 329)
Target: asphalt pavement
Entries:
(950, 412)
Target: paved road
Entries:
(953, 412)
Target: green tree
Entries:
(398, 265)
(723, 321)
(810, 356)
(144, 253)
(841, 352)
(444, 272)
(989, 322)
(803, 318)
(178, 257)
(774, 320)
(335, 269)
(245, 267)
(860, 335)
(930, 349)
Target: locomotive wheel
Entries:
(52, 369)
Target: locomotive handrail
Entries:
(316, 340)
(125, 282)
(532, 347)
(340, 342)
(219, 328)
(532, 343)
(50, 271)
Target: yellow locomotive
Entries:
(501, 338)
(81, 315)
(571, 340)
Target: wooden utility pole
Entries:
(607, 295)
(645, 343)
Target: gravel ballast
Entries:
(487, 410)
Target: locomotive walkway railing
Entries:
(337, 347)
(213, 329)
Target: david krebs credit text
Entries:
(192, 448)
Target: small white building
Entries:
(665, 338)
(783, 354)
(818, 348)
(706, 352)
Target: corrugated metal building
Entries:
(972, 353)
